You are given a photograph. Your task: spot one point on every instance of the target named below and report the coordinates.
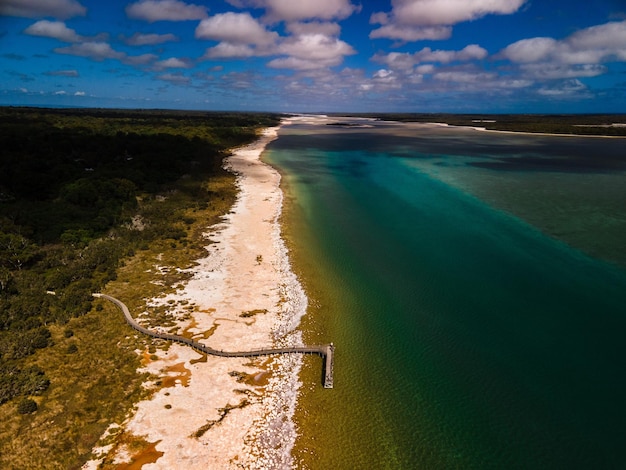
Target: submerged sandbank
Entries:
(230, 412)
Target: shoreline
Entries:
(547, 134)
(229, 412)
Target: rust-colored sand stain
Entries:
(145, 357)
(147, 455)
(202, 358)
(180, 373)
(261, 379)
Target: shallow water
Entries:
(467, 335)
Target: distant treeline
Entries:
(71, 182)
(579, 124)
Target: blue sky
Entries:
(543, 56)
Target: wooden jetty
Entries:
(326, 351)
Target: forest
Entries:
(81, 192)
(579, 124)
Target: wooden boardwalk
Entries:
(326, 351)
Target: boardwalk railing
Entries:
(326, 351)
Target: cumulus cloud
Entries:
(552, 71)
(79, 93)
(602, 43)
(165, 10)
(311, 51)
(173, 63)
(314, 27)
(411, 33)
(465, 77)
(397, 60)
(384, 79)
(41, 8)
(437, 12)
(578, 55)
(226, 50)
(298, 10)
(412, 20)
(53, 29)
(565, 89)
(98, 51)
(235, 28)
(470, 52)
(530, 50)
(139, 39)
(175, 78)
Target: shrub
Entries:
(26, 406)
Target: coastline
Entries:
(228, 412)
(484, 129)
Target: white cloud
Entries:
(411, 33)
(413, 20)
(298, 10)
(314, 27)
(594, 45)
(465, 77)
(173, 63)
(290, 10)
(40, 8)
(405, 61)
(226, 50)
(165, 10)
(235, 28)
(438, 12)
(425, 69)
(79, 93)
(565, 89)
(470, 52)
(385, 79)
(311, 52)
(294, 63)
(578, 55)
(175, 78)
(60, 92)
(53, 29)
(552, 71)
(139, 39)
(316, 47)
(530, 50)
(98, 51)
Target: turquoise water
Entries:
(466, 337)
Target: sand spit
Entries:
(228, 413)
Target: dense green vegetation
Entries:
(87, 197)
(580, 124)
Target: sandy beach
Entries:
(228, 413)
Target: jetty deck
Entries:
(326, 351)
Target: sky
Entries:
(459, 56)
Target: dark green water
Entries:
(466, 337)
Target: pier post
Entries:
(329, 361)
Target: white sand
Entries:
(246, 269)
